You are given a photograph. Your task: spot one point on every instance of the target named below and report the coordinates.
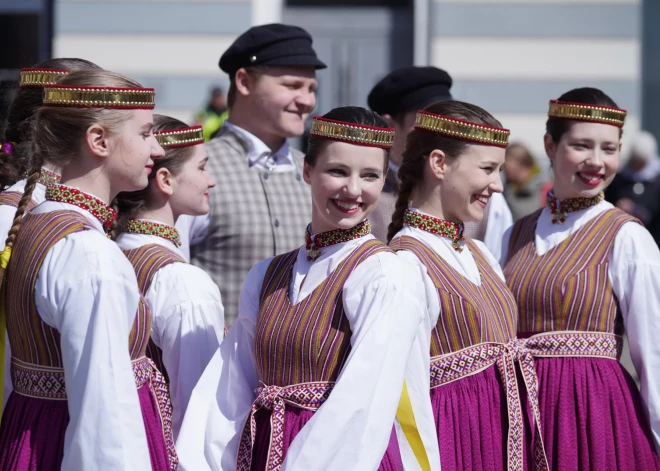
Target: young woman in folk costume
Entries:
(581, 271)
(310, 375)
(187, 313)
(14, 162)
(451, 167)
(85, 396)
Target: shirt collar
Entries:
(257, 150)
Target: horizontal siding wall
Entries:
(170, 45)
(512, 56)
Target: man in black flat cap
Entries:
(260, 205)
(397, 98)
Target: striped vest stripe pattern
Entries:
(568, 288)
(469, 314)
(146, 261)
(12, 198)
(32, 340)
(309, 341)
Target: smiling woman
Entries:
(581, 272)
(451, 167)
(330, 324)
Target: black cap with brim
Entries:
(410, 89)
(271, 46)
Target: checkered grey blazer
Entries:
(255, 214)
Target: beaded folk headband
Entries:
(360, 134)
(99, 97)
(37, 78)
(586, 112)
(460, 129)
(182, 137)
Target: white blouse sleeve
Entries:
(499, 220)
(418, 380)
(506, 239)
(635, 274)
(188, 325)
(384, 303)
(87, 290)
(223, 397)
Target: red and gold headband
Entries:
(99, 97)
(181, 137)
(37, 78)
(360, 134)
(465, 130)
(586, 112)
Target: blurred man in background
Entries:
(636, 189)
(213, 116)
(524, 188)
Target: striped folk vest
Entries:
(146, 261)
(469, 314)
(33, 342)
(568, 288)
(309, 341)
(12, 198)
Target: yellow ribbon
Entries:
(407, 422)
(5, 255)
(3, 340)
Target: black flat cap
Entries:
(271, 45)
(409, 89)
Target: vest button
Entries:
(277, 223)
(265, 175)
(298, 177)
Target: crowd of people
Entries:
(370, 304)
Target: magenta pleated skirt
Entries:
(592, 416)
(472, 423)
(32, 433)
(294, 420)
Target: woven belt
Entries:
(569, 343)
(42, 382)
(472, 360)
(45, 382)
(145, 371)
(308, 396)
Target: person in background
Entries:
(398, 97)
(260, 205)
(636, 189)
(213, 116)
(524, 182)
